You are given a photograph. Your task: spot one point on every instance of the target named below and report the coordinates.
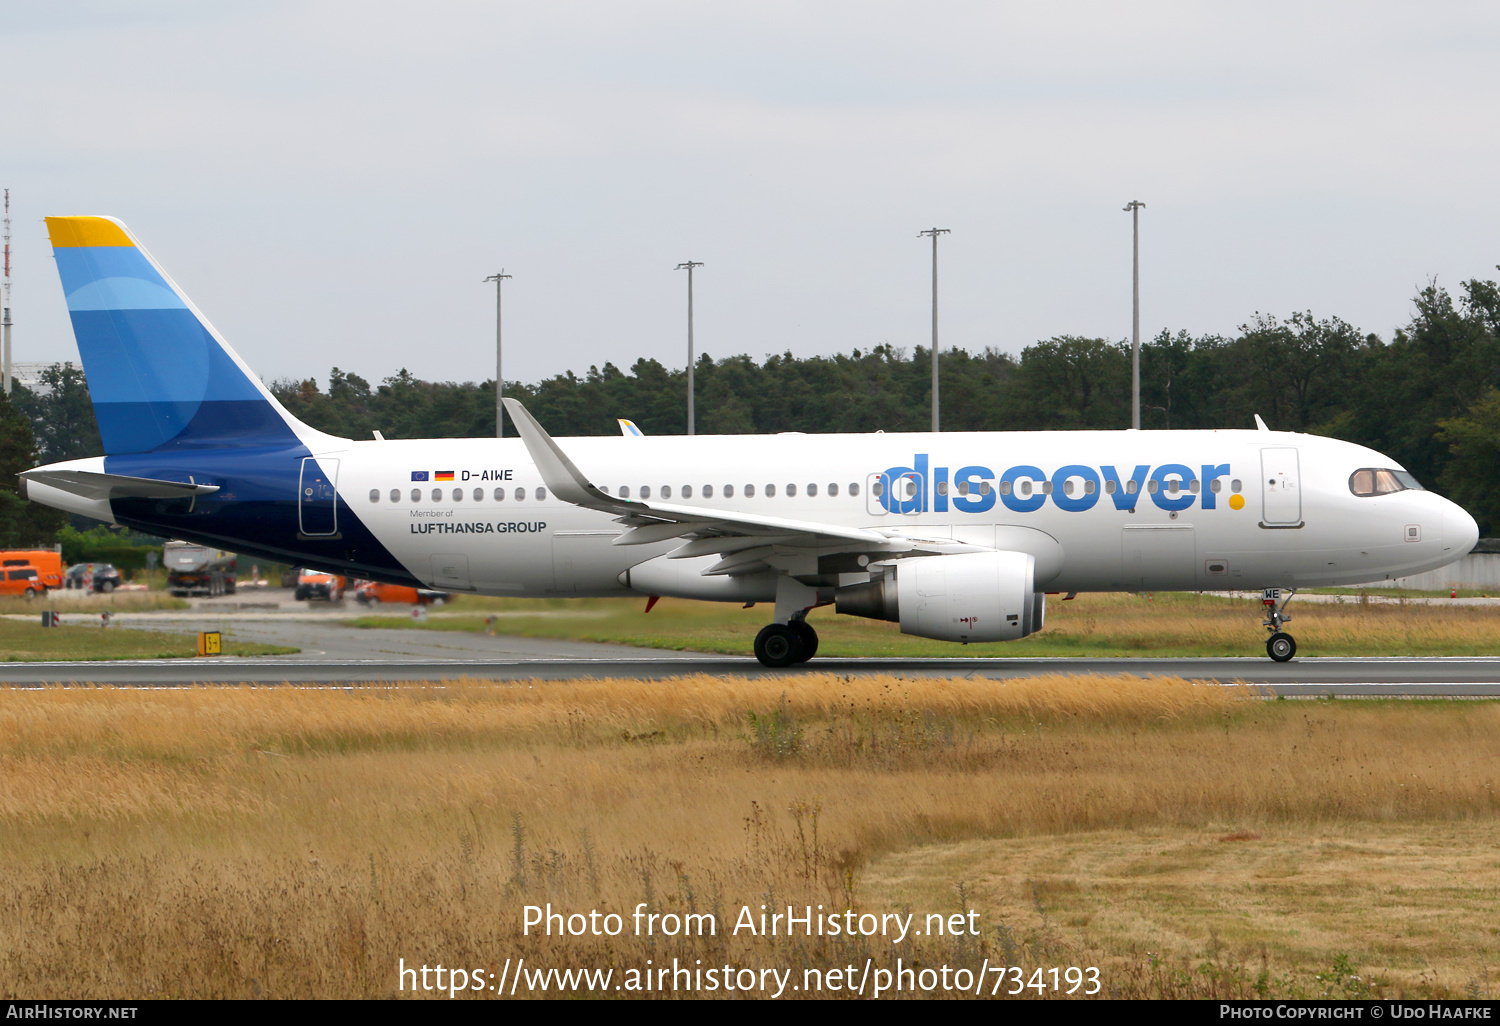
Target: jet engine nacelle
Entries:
(975, 596)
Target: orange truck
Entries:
(312, 584)
(374, 591)
(30, 572)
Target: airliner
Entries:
(956, 536)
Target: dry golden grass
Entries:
(291, 842)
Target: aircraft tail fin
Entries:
(160, 377)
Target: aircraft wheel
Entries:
(807, 636)
(777, 645)
(1281, 646)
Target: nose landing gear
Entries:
(1280, 646)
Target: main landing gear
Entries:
(785, 644)
(1280, 646)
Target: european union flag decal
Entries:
(419, 475)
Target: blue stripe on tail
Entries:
(158, 377)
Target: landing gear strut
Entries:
(1280, 646)
(785, 644)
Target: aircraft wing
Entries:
(747, 542)
(92, 485)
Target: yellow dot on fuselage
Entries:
(1236, 502)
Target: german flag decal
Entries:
(443, 475)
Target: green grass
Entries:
(1400, 593)
(22, 642)
(1096, 625)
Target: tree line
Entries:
(1429, 397)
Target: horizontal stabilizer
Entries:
(90, 485)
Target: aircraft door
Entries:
(1158, 556)
(317, 497)
(1280, 488)
(451, 570)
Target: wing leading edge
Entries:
(745, 542)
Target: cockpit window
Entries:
(1381, 482)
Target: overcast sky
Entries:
(330, 182)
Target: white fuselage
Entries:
(1298, 523)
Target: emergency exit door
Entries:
(317, 497)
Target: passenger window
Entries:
(687, 491)
(878, 489)
(374, 494)
(395, 495)
(942, 487)
(984, 488)
(1090, 487)
(812, 491)
(1216, 485)
(1132, 486)
(645, 491)
(520, 495)
(854, 488)
(1153, 487)
(729, 491)
(479, 495)
(749, 491)
(437, 495)
(1235, 486)
(708, 491)
(1109, 488)
(541, 495)
(666, 491)
(624, 491)
(499, 494)
(458, 495)
(416, 495)
(770, 491)
(791, 491)
(1025, 487)
(833, 489)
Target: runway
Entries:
(343, 656)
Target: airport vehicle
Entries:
(94, 577)
(314, 584)
(194, 569)
(23, 581)
(955, 536)
(46, 562)
(380, 592)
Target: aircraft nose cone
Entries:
(1460, 530)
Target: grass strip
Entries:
(1168, 624)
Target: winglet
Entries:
(1260, 425)
(563, 479)
(627, 427)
